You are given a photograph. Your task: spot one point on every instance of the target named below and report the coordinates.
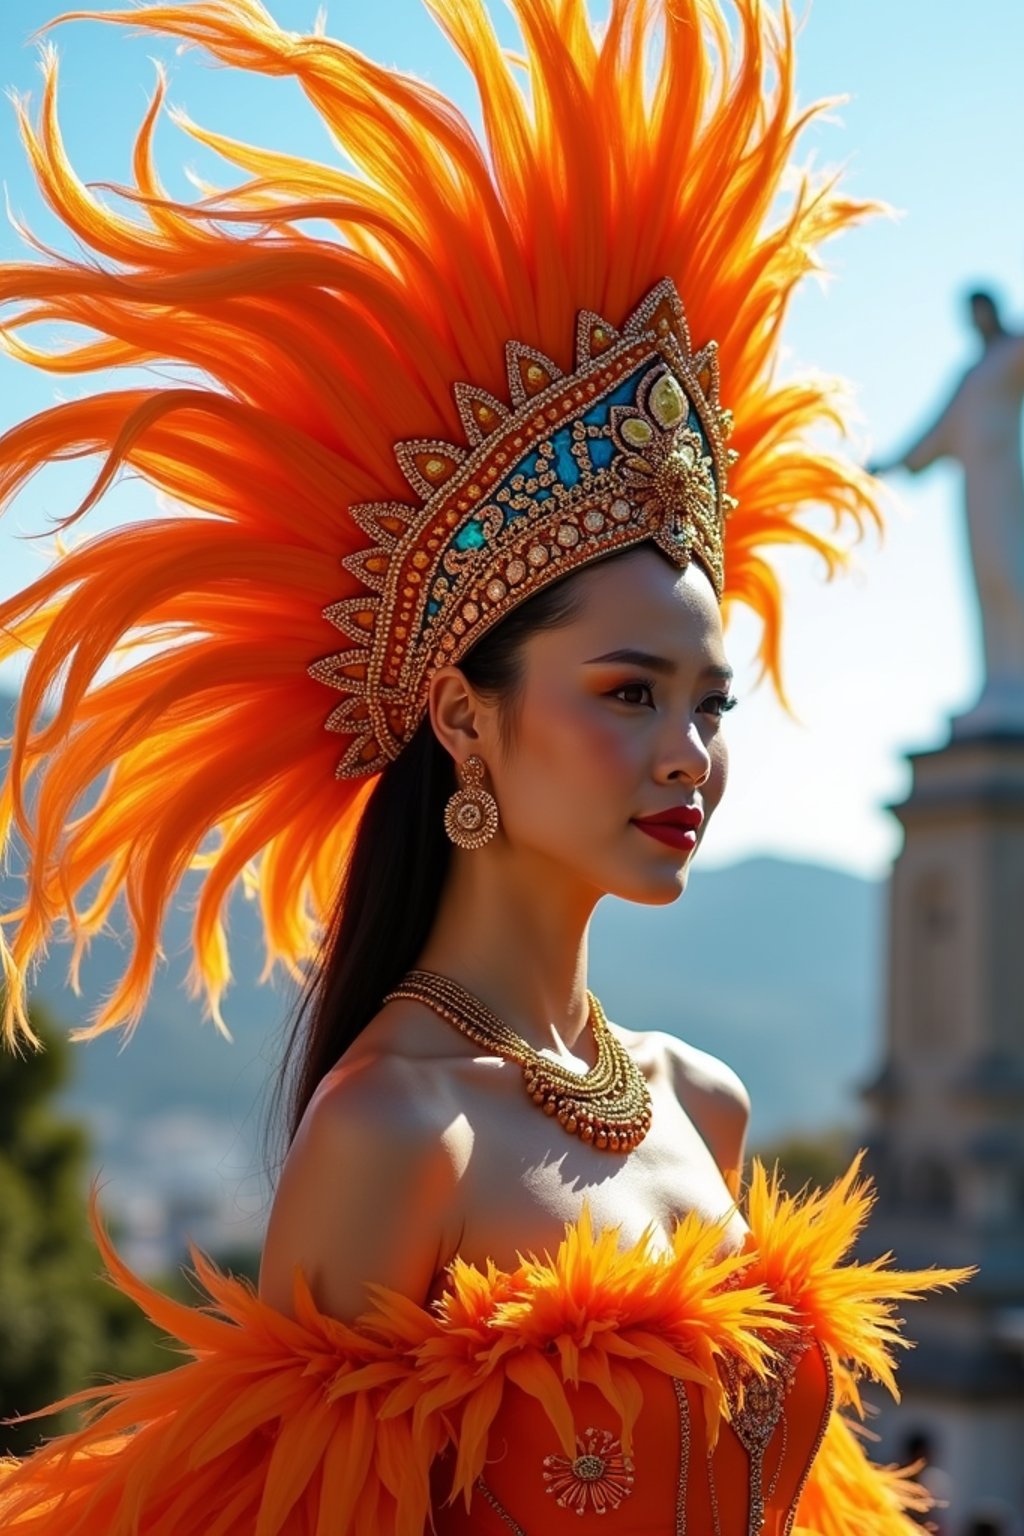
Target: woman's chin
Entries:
(653, 889)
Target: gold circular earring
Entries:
(471, 815)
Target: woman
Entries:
(496, 398)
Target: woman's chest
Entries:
(522, 1178)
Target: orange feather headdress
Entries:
(316, 355)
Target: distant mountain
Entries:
(773, 966)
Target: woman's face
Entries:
(602, 739)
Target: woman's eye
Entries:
(719, 704)
(633, 688)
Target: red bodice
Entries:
(670, 1484)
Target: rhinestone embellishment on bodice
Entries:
(757, 1408)
(598, 1478)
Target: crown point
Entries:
(594, 336)
(529, 371)
(480, 413)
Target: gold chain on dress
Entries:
(609, 1106)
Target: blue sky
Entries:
(934, 125)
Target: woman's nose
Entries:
(688, 757)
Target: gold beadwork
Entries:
(609, 1106)
(471, 815)
(823, 1423)
(682, 1481)
(755, 1408)
(499, 1508)
(631, 446)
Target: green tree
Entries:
(814, 1159)
(62, 1327)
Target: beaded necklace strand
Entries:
(609, 1106)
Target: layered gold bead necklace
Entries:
(608, 1107)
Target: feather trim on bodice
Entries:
(277, 1426)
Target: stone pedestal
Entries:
(947, 1114)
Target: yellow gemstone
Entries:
(667, 401)
(637, 432)
(535, 374)
(434, 467)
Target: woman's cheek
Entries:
(719, 775)
(593, 748)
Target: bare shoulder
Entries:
(710, 1092)
(699, 1074)
(365, 1194)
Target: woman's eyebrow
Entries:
(636, 659)
(657, 663)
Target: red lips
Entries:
(687, 818)
(676, 828)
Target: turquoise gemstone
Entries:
(470, 537)
(566, 468)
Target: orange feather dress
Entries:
(629, 1392)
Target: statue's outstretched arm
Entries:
(936, 443)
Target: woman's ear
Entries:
(456, 713)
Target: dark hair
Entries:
(983, 296)
(396, 871)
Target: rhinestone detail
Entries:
(596, 1480)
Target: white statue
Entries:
(981, 429)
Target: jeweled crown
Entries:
(629, 446)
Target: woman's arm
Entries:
(366, 1193)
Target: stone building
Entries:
(946, 1138)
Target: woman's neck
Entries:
(516, 938)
